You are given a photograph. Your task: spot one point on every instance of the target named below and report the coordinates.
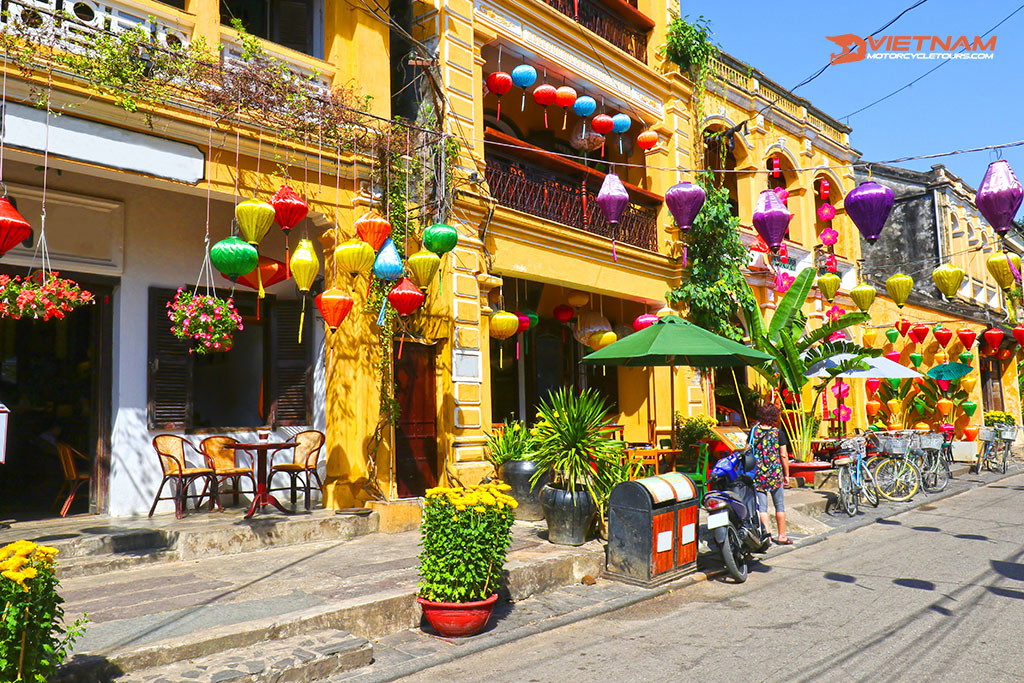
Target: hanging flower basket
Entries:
(40, 295)
(207, 321)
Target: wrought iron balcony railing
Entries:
(527, 188)
(613, 27)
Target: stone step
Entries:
(307, 657)
(99, 550)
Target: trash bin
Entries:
(652, 530)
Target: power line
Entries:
(932, 70)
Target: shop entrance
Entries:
(416, 466)
(55, 379)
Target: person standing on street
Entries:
(772, 467)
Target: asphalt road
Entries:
(935, 594)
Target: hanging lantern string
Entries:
(3, 124)
(205, 278)
(42, 250)
(259, 158)
(927, 261)
(319, 163)
(408, 166)
(238, 162)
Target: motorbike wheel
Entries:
(735, 556)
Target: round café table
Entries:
(261, 449)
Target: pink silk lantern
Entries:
(872, 384)
(643, 321)
(894, 356)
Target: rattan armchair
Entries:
(224, 463)
(170, 450)
(303, 465)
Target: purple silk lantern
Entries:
(613, 199)
(999, 196)
(771, 219)
(868, 205)
(684, 201)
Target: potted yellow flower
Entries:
(33, 639)
(465, 536)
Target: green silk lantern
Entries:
(966, 357)
(916, 358)
(440, 238)
(892, 335)
(254, 219)
(234, 257)
(894, 383)
(970, 407)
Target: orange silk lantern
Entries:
(373, 229)
(944, 406)
(970, 432)
(873, 407)
(269, 272)
(565, 97)
(870, 335)
(647, 139)
(334, 305)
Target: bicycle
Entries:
(933, 466)
(896, 477)
(996, 449)
(854, 477)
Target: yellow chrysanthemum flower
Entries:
(480, 509)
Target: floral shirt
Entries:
(764, 444)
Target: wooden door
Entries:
(416, 464)
(992, 383)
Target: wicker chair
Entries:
(73, 478)
(170, 450)
(304, 462)
(224, 463)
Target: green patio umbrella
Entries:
(672, 341)
(949, 371)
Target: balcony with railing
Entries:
(528, 179)
(617, 21)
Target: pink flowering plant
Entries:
(207, 321)
(40, 295)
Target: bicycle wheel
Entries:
(898, 480)
(1006, 456)
(845, 491)
(934, 476)
(868, 487)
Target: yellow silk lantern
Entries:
(578, 299)
(863, 295)
(940, 357)
(305, 268)
(870, 335)
(999, 267)
(504, 324)
(829, 285)
(894, 426)
(601, 339)
(948, 279)
(923, 426)
(898, 286)
(254, 219)
(967, 383)
(354, 256)
(423, 265)
(894, 406)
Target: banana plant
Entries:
(795, 349)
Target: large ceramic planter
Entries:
(458, 619)
(570, 514)
(517, 474)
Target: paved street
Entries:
(933, 594)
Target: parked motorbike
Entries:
(731, 503)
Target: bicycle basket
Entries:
(987, 434)
(1008, 433)
(893, 445)
(931, 442)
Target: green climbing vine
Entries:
(715, 284)
(688, 45)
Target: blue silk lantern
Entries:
(388, 265)
(524, 76)
(584, 106)
(620, 125)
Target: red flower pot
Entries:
(458, 619)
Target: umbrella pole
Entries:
(672, 401)
(652, 424)
(739, 398)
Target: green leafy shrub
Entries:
(465, 536)
(33, 639)
(512, 442)
(692, 430)
(688, 43)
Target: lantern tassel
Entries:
(287, 260)
(615, 256)
(545, 117)
(383, 310)
(302, 318)
(517, 349)
(686, 254)
(522, 107)
(259, 281)
(565, 117)
(497, 118)
(401, 344)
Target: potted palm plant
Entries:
(510, 449)
(571, 441)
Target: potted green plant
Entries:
(510, 450)
(571, 441)
(465, 537)
(690, 431)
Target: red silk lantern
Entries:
(603, 124)
(289, 208)
(1004, 354)
(966, 336)
(373, 229)
(776, 166)
(903, 325)
(643, 321)
(919, 333)
(989, 351)
(563, 313)
(872, 384)
(894, 356)
(994, 337)
(823, 189)
(271, 271)
(14, 229)
(647, 139)
(943, 335)
(334, 305)
(1018, 334)
(545, 96)
(406, 297)
(524, 322)
(499, 83)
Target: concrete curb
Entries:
(415, 666)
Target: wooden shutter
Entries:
(290, 383)
(170, 368)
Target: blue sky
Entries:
(964, 104)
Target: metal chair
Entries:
(304, 462)
(73, 479)
(224, 463)
(699, 474)
(170, 450)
